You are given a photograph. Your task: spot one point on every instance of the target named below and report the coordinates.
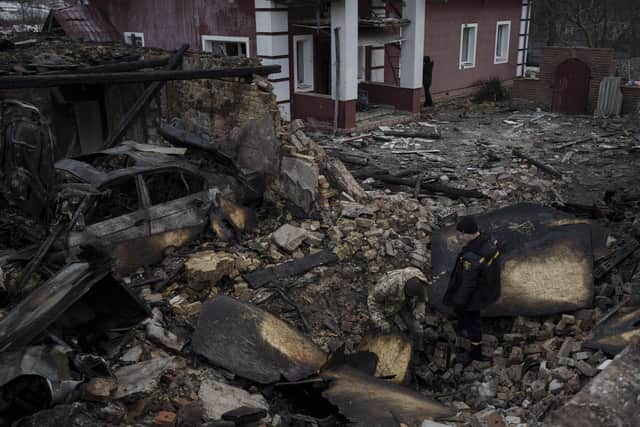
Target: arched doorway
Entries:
(571, 87)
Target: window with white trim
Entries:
(134, 39)
(503, 34)
(303, 62)
(468, 42)
(226, 45)
(361, 63)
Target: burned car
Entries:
(141, 203)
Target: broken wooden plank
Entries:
(52, 80)
(611, 262)
(538, 164)
(258, 278)
(431, 187)
(32, 266)
(576, 142)
(146, 97)
(160, 149)
(353, 138)
(428, 134)
(126, 66)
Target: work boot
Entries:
(476, 353)
(418, 343)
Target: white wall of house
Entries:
(412, 52)
(344, 17)
(272, 47)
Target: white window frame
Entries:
(226, 39)
(362, 63)
(128, 34)
(467, 65)
(308, 84)
(502, 59)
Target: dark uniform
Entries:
(474, 285)
(427, 78)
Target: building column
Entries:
(344, 70)
(412, 51)
(272, 38)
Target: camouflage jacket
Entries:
(387, 297)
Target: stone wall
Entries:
(217, 106)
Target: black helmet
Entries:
(415, 287)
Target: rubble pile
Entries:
(235, 294)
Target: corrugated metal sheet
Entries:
(609, 97)
(85, 23)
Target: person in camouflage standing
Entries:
(404, 293)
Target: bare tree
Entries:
(599, 23)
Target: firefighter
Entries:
(404, 293)
(474, 283)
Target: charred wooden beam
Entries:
(538, 164)
(52, 80)
(151, 91)
(126, 66)
(431, 187)
(36, 261)
(259, 278)
(611, 262)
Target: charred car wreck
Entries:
(143, 203)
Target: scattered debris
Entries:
(218, 399)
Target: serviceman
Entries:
(404, 293)
(474, 283)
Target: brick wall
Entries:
(530, 89)
(631, 100)
(600, 62)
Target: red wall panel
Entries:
(442, 41)
(168, 24)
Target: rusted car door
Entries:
(116, 218)
(180, 204)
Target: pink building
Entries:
(380, 45)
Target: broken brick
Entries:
(586, 369)
(165, 419)
(565, 348)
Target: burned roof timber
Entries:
(52, 80)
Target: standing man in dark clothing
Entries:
(427, 78)
(474, 282)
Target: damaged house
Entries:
(174, 253)
(337, 58)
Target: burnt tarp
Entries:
(81, 298)
(253, 343)
(368, 401)
(615, 333)
(27, 153)
(393, 353)
(546, 260)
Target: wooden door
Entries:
(571, 87)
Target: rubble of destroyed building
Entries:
(198, 261)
